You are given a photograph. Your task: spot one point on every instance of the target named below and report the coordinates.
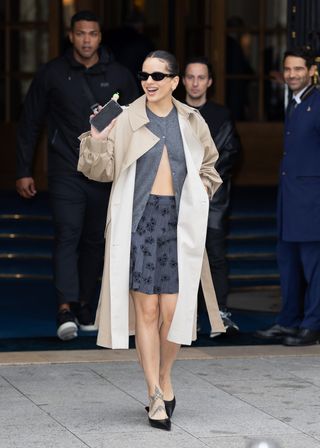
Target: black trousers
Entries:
(79, 208)
(216, 248)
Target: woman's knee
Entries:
(150, 315)
(147, 311)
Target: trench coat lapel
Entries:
(142, 139)
(193, 147)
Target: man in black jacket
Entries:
(62, 95)
(197, 79)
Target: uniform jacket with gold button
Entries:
(299, 186)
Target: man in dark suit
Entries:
(197, 79)
(298, 249)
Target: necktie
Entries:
(291, 106)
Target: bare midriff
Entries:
(163, 183)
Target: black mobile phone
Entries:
(104, 117)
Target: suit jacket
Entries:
(299, 186)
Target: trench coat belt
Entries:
(209, 296)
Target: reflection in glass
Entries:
(241, 99)
(130, 42)
(18, 90)
(273, 85)
(276, 13)
(242, 13)
(69, 9)
(252, 106)
(194, 39)
(23, 55)
(241, 65)
(254, 67)
(242, 54)
(153, 27)
(29, 10)
(195, 33)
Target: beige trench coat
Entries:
(115, 160)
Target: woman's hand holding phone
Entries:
(105, 132)
(103, 120)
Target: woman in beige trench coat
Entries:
(162, 321)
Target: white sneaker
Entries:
(66, 326)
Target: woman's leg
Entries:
(148, 343)
(168, 350)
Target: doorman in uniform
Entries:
(298, 249)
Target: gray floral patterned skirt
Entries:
(153, 256)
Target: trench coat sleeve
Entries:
(208, 173)
(96, 158)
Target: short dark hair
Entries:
(89, 16)
(167, 57)
(305, 53)
(200, 60)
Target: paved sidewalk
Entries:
(225, 398)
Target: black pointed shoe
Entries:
(169, 405)
(161, 424)
(277, 332)
(304, 337)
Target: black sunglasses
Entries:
(156, 76)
